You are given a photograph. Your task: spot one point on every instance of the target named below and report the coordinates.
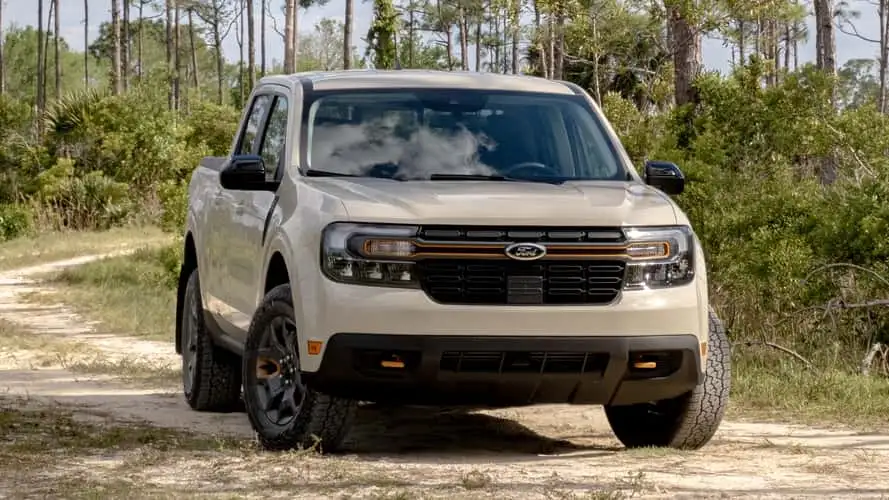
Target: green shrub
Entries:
(15, 221)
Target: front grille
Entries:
(513, 282)
(523, 362)
(496, 279)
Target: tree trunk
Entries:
(827, 45)
(478, 45)
(220, 61)
(410, 34)
(514, 29)
(125, 47)
(464, 45)
(538, 31)
(86, 44)
(241, 52)
(46, 50)
(139, 39)
(41, 69)
(171, 96)
(289, 12)
(195, 80)
(787, 47)
(686, 48)
(295, 38)
(347, 35)
(115, 44)
(883, 98)
(177, 65)
(742, 42)
(262, 38)
(58, 61)
(251, 47)
(551, 45)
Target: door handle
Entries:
(239, 208)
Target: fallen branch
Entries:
(780, 348)
(868, 361)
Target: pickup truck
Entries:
(442, 238)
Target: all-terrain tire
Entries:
(322, 420)
(688, 421)
(214, 383)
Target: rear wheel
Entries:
(284, 412)
(688, 421)
(211, 376)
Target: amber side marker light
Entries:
(395, 362)
(645, 365)
(314, 347)
(703, 349)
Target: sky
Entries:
(24, 12)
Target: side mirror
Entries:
(665, 176)
(245, 173)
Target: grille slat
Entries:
(461, 282)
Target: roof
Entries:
(371, 79)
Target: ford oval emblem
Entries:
(525, 251)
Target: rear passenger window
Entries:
(254, 122)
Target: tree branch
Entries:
(780, 348)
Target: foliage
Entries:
(381, 35)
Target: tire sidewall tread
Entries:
(216, 385)
(695, 416)
(323, 420)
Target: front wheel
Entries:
(284, 411)
(688, 421)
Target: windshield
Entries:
(424, 134)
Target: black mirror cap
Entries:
(665, 176)
(246, 173)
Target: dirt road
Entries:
(539, 452)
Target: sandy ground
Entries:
(538, 452)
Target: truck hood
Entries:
(582, 203)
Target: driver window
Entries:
(271, 149)
(254, 121)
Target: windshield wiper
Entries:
(493, 177)
(326, 173)
(329, 173)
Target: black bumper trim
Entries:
(351, 369)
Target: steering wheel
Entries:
(546, 171)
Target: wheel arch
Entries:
(189, 264)
(276, 273)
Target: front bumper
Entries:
(501, 371)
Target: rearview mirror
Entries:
(665, 176)
(246, 173)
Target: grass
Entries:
(130, 295)
(781, 389)
(60, 245)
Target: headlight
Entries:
(659, 257)
(369, 254)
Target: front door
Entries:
(235, 251)
(253, 221)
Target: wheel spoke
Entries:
(288, 404)
(289, 330)
(273, 339)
